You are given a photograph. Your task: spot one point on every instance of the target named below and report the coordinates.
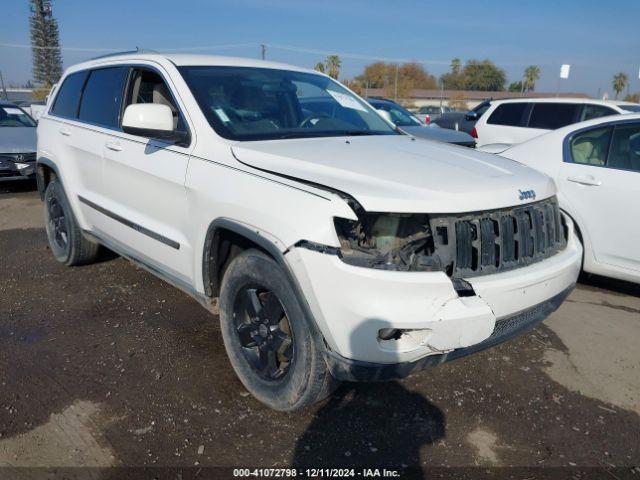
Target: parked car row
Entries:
(517, 120)
(409, 123)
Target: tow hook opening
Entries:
(403, 339)
(389, 333)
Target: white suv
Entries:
(517, 120)
(333, 246)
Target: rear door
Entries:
(59, 132)
(98, 116)
(145, 198)
(600, 177)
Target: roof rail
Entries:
(126, 52)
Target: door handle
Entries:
(585, 180)
(65, 132)
(116, 147)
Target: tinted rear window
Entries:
(68, 98)
(590, 111)
(553, 115)
(630, 108)
(508, 114)
(102, 96)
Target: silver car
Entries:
(17, 142)
(408, 123)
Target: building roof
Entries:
(471, 94)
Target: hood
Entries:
(17, 139)
(399, 174)
(439, 134)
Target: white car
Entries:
(596, 166)
(520, 119)
(333, 246)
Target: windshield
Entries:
(245, 103)
(15, 117)
(399, 116)
(630, 108)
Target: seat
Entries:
(162, 96)
(587, 151)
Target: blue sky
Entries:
(597, 39)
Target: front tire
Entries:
(66, 240)
(272, 346)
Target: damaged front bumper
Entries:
(354, 308)
(348, 370)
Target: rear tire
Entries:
(273, 347)
(66, 240)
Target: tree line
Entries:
(398, 80)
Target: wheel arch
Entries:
(221, 238)
(46, 170)
(214, 264)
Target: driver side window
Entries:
(147, 86)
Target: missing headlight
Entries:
(388, 241)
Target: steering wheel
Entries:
(307, 122)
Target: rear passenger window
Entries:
(68, 97)
(102, 96)
(625, 148)
(508, 114)
(595, 111)
(590, 147)
(553, 115)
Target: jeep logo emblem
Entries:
(527, 194)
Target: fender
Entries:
(41, 181)
(264, 243)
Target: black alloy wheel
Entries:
(58, 226)
(264, 332)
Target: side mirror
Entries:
(386, 115)
(152, 120)
(471, 116)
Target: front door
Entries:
(143, 181)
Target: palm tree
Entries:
(456, 66)
(620, 81)
(531, 76)
(332, 64)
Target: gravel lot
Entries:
(106, 365)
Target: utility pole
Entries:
(4, 90)
(263, 49)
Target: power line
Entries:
(181, 49)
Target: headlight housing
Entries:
(388, 241)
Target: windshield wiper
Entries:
(359, 133)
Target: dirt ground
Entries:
(107, 366)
